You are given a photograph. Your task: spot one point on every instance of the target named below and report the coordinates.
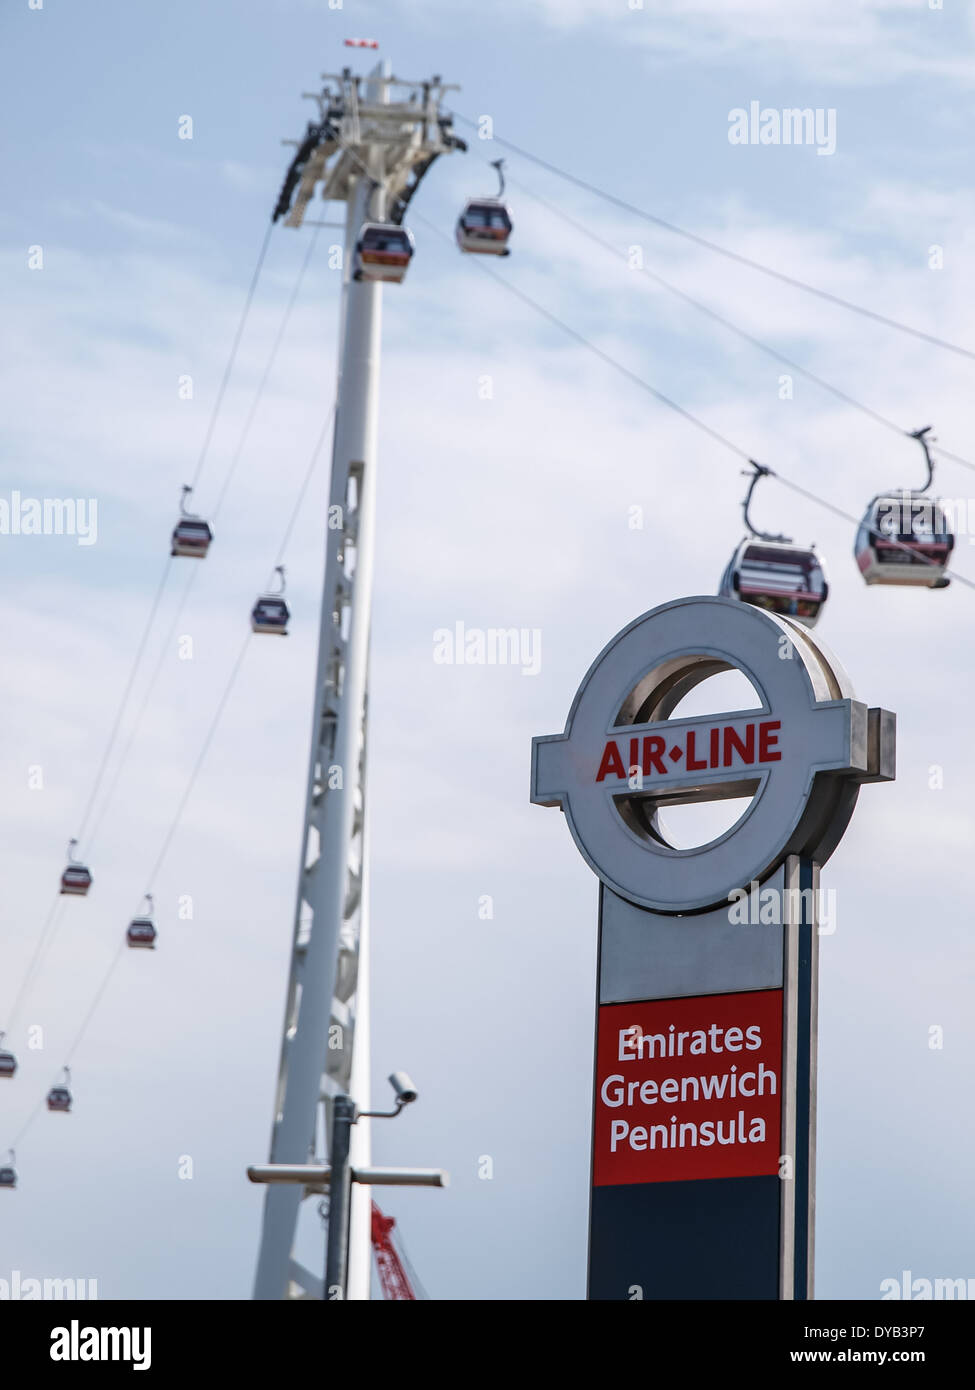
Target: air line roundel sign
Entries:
(801, 753)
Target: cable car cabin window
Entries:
(75, 880)
(191, 538)
(493, 219)
(908, 533)
(270, 615)
(392, 242)
(764, 568)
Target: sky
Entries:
(505, 506)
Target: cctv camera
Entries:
(403, 1086)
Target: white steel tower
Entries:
(375, 140)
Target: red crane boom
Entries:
(392, 1275)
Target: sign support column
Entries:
(704, 1108)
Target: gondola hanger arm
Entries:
(922, 438)
(759, 470)
(498, 164)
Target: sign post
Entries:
(703, 1157)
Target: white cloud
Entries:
(832, 40)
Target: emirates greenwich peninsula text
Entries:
(616, 1091)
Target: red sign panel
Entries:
(689, 1088)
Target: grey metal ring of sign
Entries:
(803, 752)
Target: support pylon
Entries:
(370, 151)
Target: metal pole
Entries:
(340, 1200)
(330, 810)
(315, 1177)
(360, 1148)
(383, 147)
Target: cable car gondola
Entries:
(8, 1173)
(76, 879)
(8, 1062)
(270, 612)
(774, 573)
(191, 534)
(905, 538)
(59, 1096)
(383, 252)
(484, 226)
(140, 932)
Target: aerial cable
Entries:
(49, 928)
(51, 922)
(127, 692)
(165, 574)
(725, 251)
(167, 841)
(169, 636)
(48, 931)
(28, 1122)
(299, 500)
(711, 313)
(645, 385)
(221, 706)
(123, 758)
(598, 351)
(120, 951)
(948, 454)
(268, 368)
(737, 329)
(97, 999)
(245, 432)
(228, 369)
(200, 759)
